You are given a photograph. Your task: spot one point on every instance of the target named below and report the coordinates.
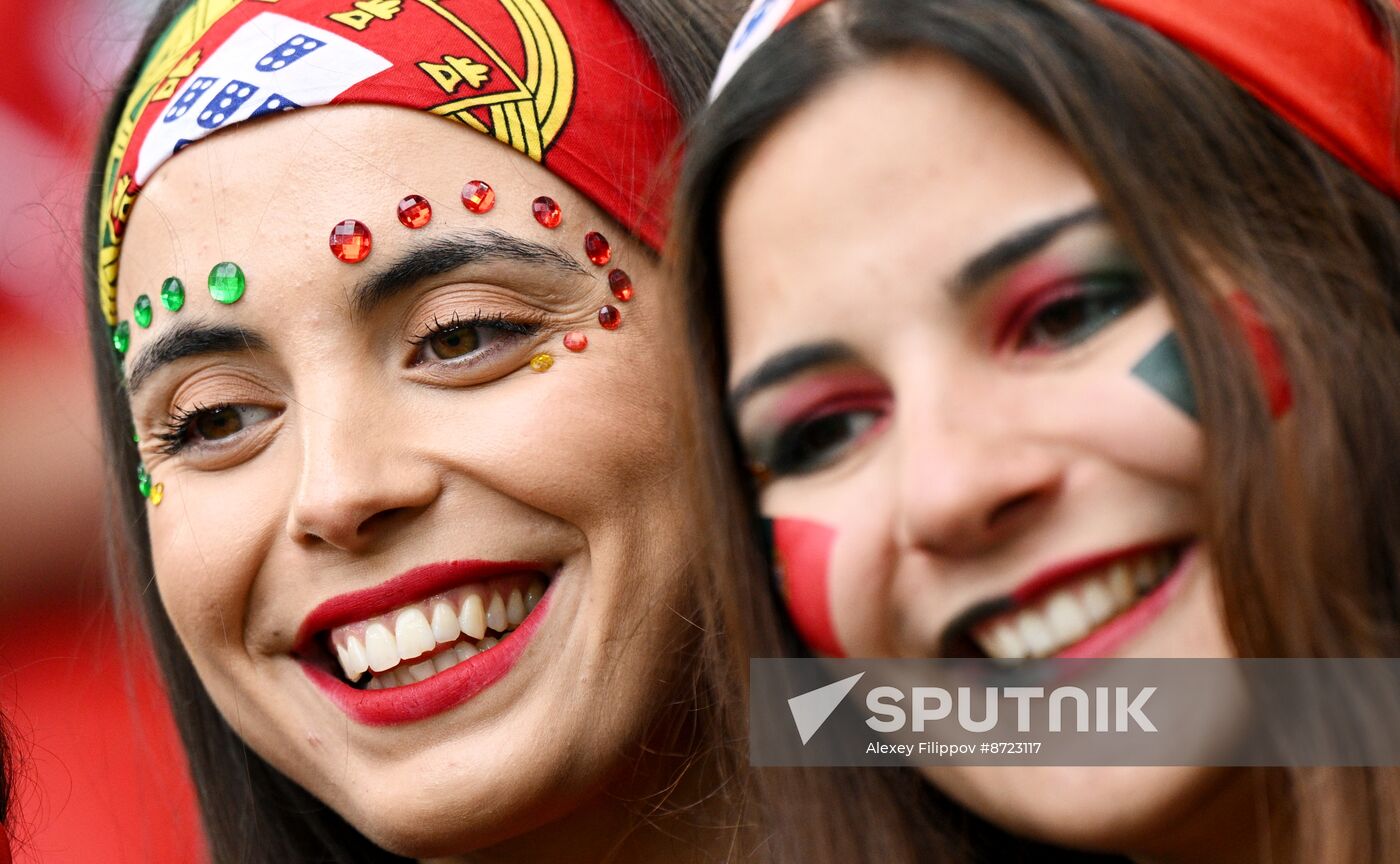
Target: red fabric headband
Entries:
(1319, 64)
(568, 84)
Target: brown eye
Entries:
(454, 343)
(218, 423)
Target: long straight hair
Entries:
(251, 812)
(1200, 181)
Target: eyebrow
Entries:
(190, 339)
(970, 278)
(785, 365)
(444, 254)
(1015, 247)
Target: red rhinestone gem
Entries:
(597, 248)
(478, 196)
(575, 341)
(547, 212)
(415, 211)
(609, 317)
(350, 241)
(621, 285)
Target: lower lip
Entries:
(437, 694)
(1106, 640)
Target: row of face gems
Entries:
(351, 242)
(436, 629)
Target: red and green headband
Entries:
(567, 83)
(1322, 65)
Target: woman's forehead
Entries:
(268, 195)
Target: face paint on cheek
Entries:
(801, 559)
(1266, 354)
(1163, 368)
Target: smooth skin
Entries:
(957, 450)
(353, 454)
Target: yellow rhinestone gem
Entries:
(157, 494)
(541, 362)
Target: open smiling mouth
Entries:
(415, 642)
(1083, 610)
(425, 640)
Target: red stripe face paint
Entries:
(1266, 354)
(802, 556)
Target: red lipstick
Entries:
(410, 587)
(445, 690)
(1051, 578)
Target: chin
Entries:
(1118, 809)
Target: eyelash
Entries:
(175, 438)
(519, 326)
(1124, 287)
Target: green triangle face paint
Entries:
(1164, 370)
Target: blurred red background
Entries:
(100, 773)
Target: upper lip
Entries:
(403, 589)
(1037, 586)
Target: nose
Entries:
(963, 490)
(354, 486)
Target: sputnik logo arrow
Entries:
(811, 709)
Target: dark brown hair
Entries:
(1205, 185)
(251, 812)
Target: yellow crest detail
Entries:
(531, 112)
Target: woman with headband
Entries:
(1060, 328)
(392, 409)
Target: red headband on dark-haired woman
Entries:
(572, 88)
(1322, 65)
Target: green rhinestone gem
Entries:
(143, 481)
(172, 294)
(226, 282)
(142, 311)
(135, 437)
(121, 337)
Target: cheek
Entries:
(207, 539)
(1113, 416)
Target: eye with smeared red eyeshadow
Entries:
(1048, 316)
(817, 420)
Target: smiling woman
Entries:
(397, 453)
(1059, 328)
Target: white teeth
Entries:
(374, 684)
(515, 608)
(344, 657)
(445, 626)
(413, 634)
(1034, 632)
(1068, 614)
(488, 642)
(463, 651)
(421, 671)
(358, 662)
(1120, 585)
(1098, 602)
(496, 613)
(444, 661)
(533, 595)
(473, 618)
(380, 649)
(1065, 619)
